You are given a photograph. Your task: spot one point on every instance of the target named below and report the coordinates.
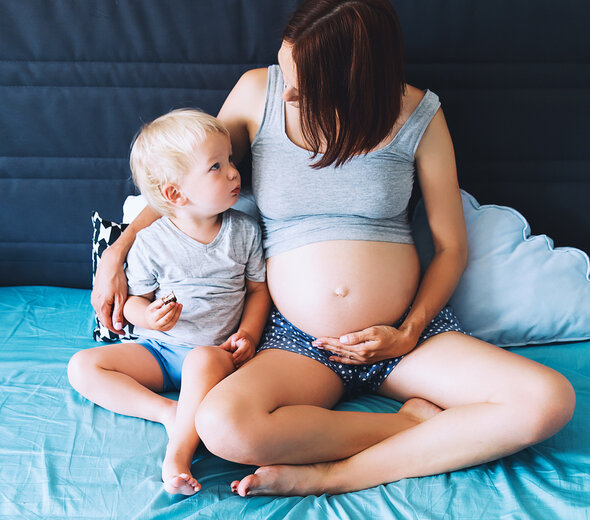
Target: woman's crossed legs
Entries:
(273, 413)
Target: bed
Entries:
(76, 81)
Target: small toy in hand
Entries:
(169, 299)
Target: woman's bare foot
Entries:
(308, 479)
(314, 479)
(176, 472)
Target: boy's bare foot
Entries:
(168, 418)
(183, 484)
(176, 472)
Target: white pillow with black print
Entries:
(104, 234)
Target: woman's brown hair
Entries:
(350, 73)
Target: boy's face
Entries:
(212, 183)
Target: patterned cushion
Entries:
(104, 234)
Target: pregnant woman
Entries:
(337, 137)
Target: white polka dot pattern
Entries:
(281, 334)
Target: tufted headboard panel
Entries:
(77, 79)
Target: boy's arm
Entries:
(144, 312)
(256, 309)
(134, 309)
(242, 344)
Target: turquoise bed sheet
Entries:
(61, 457)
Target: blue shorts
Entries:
(170, 358)
(279, 333)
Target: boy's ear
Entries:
(173, 194)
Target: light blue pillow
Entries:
(517, 289)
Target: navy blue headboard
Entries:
(77, 78)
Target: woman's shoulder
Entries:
(243, 109)
(249, 93)
(410, 101)
(411, 98)
(252, 84)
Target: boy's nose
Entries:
(233, 173)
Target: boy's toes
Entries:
(182, 484)
(191, 481)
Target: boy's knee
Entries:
(200, 356)
(213, 360)
(78, 368)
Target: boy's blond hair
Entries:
(161, 152)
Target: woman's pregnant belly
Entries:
(335, 287)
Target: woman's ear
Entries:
(173, 194)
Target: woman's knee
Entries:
(231, 429)
(549, 408)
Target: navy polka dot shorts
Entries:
(281, 334)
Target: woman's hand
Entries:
(110, 283)
(368, 346)
(110, 291)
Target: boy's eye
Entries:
(216, 166)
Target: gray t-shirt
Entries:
(208, 279)
(364, 199)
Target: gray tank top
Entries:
(364, 199)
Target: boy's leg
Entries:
(123, 378)
(202, 369)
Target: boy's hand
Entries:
(161, 316)
(241, 345)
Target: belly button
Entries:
(341, 291)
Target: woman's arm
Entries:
(109, 291)
(437, 174)
(243, 109)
